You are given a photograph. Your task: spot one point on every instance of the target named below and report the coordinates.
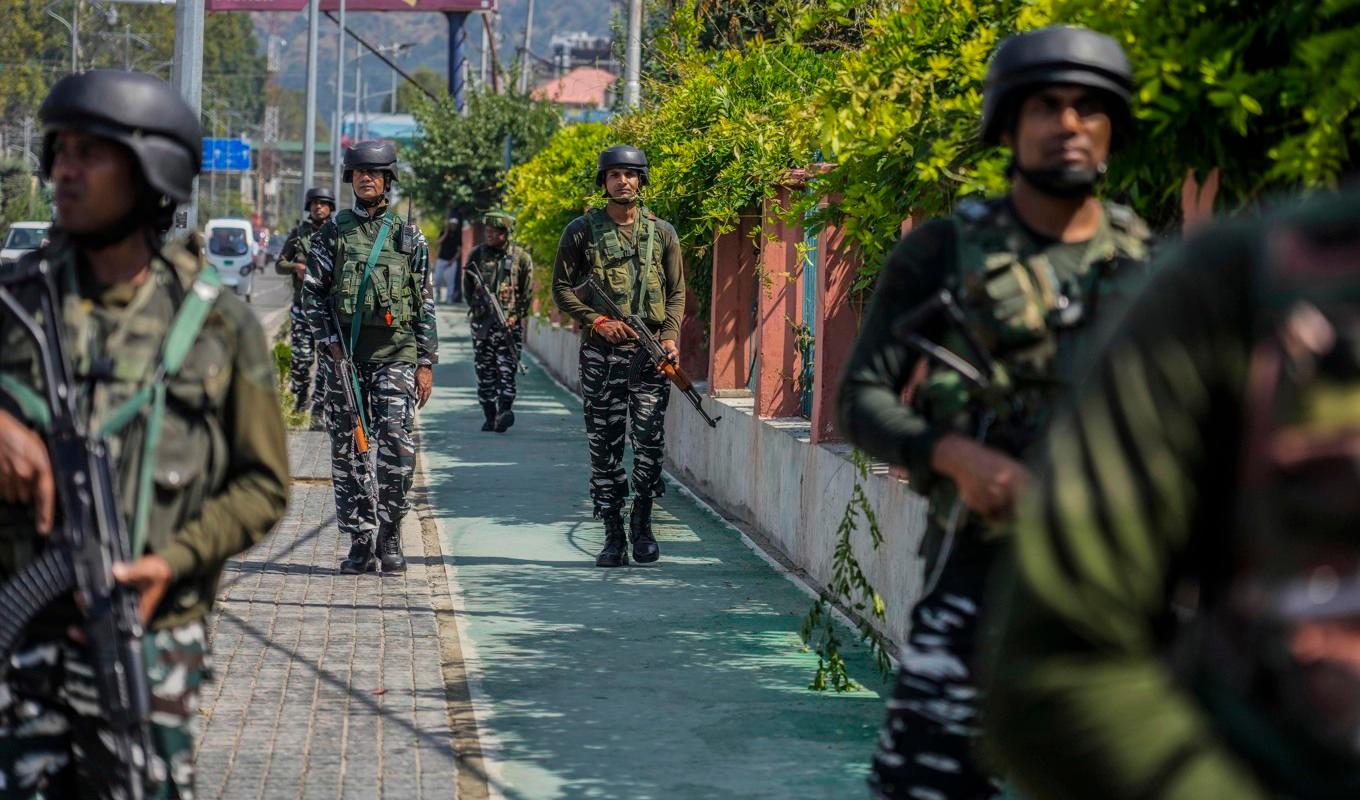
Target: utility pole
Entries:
(309, 134)
(524, 52)
(457, 57)
(189, 81)
(632, 89)
(486, 49)
(337, 151)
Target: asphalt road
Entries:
(270, 298)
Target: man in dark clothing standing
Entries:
(637, 255)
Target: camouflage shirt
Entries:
(295, 249)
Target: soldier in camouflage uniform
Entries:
(1031, 273)
(638, 257)
(120, 149)
(369, 271)
(508, 273)
(292, 261)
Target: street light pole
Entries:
(189, 81)
(632, 90)
(309, 134)
(337, 152)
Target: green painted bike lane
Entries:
(681, 679)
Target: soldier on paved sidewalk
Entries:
(177, 378)
(292, 261)
(1015, 287)
(637, 255)
(507, 272)
(369, 298)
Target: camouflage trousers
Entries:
(610, 405)
(496, 359)
(389, 395)
(300, 380)
(927, 744)
(52, 736)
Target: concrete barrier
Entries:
(768, 476)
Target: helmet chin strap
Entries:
(625, 202)
(1067, 183)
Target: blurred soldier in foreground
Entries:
(991, 307)
(1185, 622)
(369, 299)
(171, 388)
(497, 282)
(292, 261)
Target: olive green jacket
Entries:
(221, 469)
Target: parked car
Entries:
(233, 250)
(21, 238)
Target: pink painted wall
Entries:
(779, 309)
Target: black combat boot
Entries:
(645, 548)
(504, 416)
(360, 559)
(389, 548)
(489, 409)
(615, 551)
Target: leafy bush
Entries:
(460, 160)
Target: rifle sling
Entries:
(373, 254)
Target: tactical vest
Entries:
(499, 270)
(393, 297)
(1293, 555)
(633, 274)
(172, 453)
(1034, 322)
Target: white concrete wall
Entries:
(768, 476)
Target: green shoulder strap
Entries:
(31, 404)
(373, 254)
(644, 270)
(184, 330)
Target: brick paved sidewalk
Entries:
(331, 686)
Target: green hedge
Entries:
(1267, 91)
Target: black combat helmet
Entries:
(318, 194)
(140, 112)
(372, 154)
(621, 155)
(1057, 54)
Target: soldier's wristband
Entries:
(595, 326)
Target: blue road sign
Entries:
(226, 155)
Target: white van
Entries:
(233, 250)
(21, 238)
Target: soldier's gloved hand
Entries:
(989, 481)
(26, 471)
(150, 576)
(424, 385)
(615, 331)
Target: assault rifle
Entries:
(651, 349)
(498, 316)
(349, 382)
(492, 302)
(985, 376)
(80, 554)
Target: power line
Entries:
(370, 48)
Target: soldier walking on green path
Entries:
(637, 256)
(1182, 619)
(292, 261)
(498, 312)
(1015, 287)
(370, 301)
(173, 383)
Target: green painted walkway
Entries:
(682, 679)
